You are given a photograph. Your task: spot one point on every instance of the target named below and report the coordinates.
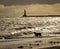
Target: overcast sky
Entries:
(26, 2)
(16, 7)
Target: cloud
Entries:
(44, 9)
(28, 2)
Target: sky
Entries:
(33, 7)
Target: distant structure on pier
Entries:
(25, 15)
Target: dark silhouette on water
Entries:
(55, 47)
(37, 34)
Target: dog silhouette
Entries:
(37, 34)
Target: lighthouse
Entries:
(24, 13)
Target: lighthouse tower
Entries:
(24, 13)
